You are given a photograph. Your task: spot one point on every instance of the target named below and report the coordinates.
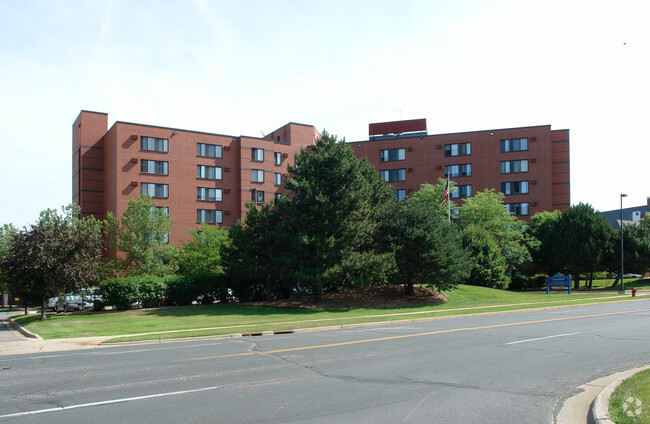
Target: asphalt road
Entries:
(504, 368)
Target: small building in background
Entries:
(631, 215)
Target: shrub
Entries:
(181, 290)
(518, 281)
(123, 293)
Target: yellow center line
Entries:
(428, 333)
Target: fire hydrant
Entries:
(633, 292)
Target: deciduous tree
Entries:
(58, 254)
(140, 238)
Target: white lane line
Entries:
(542, 338)
(107, 402)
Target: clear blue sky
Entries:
(248, 67)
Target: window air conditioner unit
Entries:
(410, 149)
(226, 147)
(227, 213)
(533, 160)
(285, 155)
(439, 146)
(227, 191)
(533, 204)
(226, 169)
(134, 160)
(410, 170)
(134, 183)
(533, 182)
(439, 167)
(134, 137)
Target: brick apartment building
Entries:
(205, 177)
(530, 165)
(199, 177)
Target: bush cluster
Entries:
(151, 291)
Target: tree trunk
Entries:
(409, 290)
(43, 306)
(591, 279)
(576, 286)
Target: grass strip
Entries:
(220, 319)
(630, 402)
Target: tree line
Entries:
(338, 227)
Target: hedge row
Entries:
(151, 291)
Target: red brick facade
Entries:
(111, 165)
(546, 157)
(108, 164)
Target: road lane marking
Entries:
(108, 402)
(543, 338)
(429, 333)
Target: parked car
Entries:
(51, 303)
(72, 302)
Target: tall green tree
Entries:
(255, 257)
(60, 253)
(337, 207)
(7, 232)
(432, 196)
(140, 238)
(636, 249)
(586, 235)
(203, 254)
(490, 267)
(484, 216)
(427, 248)
(549, 255)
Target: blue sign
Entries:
(558, 280)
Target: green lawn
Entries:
(202, 320)
(630, 402)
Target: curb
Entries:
(599, 411)
(22, 330)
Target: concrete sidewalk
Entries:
(15, 340)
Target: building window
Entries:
(277, 158)
(518, 209)
(391, 175)
(400, 195)
(154, 144)
(459, 170)
(259, 196)
(154, 190)
(209, 216)
(514, 166)
(154, 167)
(460, 149)
(276, 197)
(209, 194)
(257, 155)
(514, 145)
(208, 172)
(517, 187)
(392, 154)
(461, 191)
(278, 178)
(208, 150)
(257, 175)
(163, 209)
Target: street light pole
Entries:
(622, 291)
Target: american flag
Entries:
(446, 196)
